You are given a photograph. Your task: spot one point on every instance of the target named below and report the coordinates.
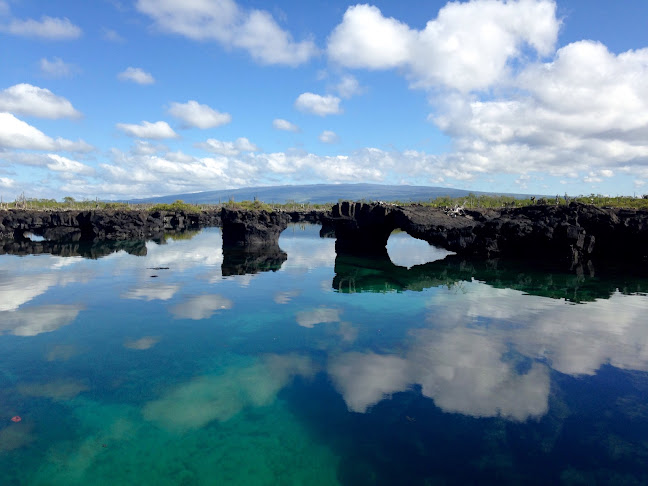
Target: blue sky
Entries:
(135, 98)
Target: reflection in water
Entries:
(200, 307)
(147, 342)
(476, 377)
(55, 390)
(36, 320)
(406, 251)
(309, 318)
(219, 397)
(237, 261)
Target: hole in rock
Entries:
(406, 251)
(33, 237)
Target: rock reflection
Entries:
(239, 261)
(201, 307)
(204, 399)
(380, 274)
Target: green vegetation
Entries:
(178, 205)
(469, 201)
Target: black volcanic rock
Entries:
(571, 234)
(252, 228)
(100, 224)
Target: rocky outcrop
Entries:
(100, 224)
(571, 234)
(252, 228)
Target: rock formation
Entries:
(100, 224)
(572, 234)
(252, 228)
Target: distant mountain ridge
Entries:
(320, 194)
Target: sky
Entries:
(116, 99)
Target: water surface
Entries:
(158, 369)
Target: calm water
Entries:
(159, 370)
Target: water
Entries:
(158, 370)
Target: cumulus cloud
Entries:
(348, 87)
(466, 47)
(193, 114)
(59, 163)
(136, 75)
(56, 68)
(156, 131)
(585, 111)
(241, 144)
(50, 28)
(285, 125)
(25, 99)
(16, 134)
(224, 21)
(327, 136)
(318, 104)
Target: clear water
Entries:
(158, 370)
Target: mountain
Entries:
(320, 194)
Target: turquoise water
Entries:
(158, 370)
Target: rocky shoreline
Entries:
(573, 234)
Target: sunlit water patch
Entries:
(158, 369)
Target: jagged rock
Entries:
(571, 234)
(252, 228)
(100, 224)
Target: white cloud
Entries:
(56, 68)
(281, 124)
(586, 111)
(157, 131)
(112, 35)
(7, 183)
(50, 28)
(466, 47)
(136, 75)
(16, 134)
(63, 164)
(318, 104)
(28, 100)
(193, 114)
(348, 87)
(327, 136)
(241, 144)
(225, 22)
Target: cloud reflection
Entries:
(219, 397)
(58, 390)
(36, 320)
(147, 342)
(309, 318)
(201, 307)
